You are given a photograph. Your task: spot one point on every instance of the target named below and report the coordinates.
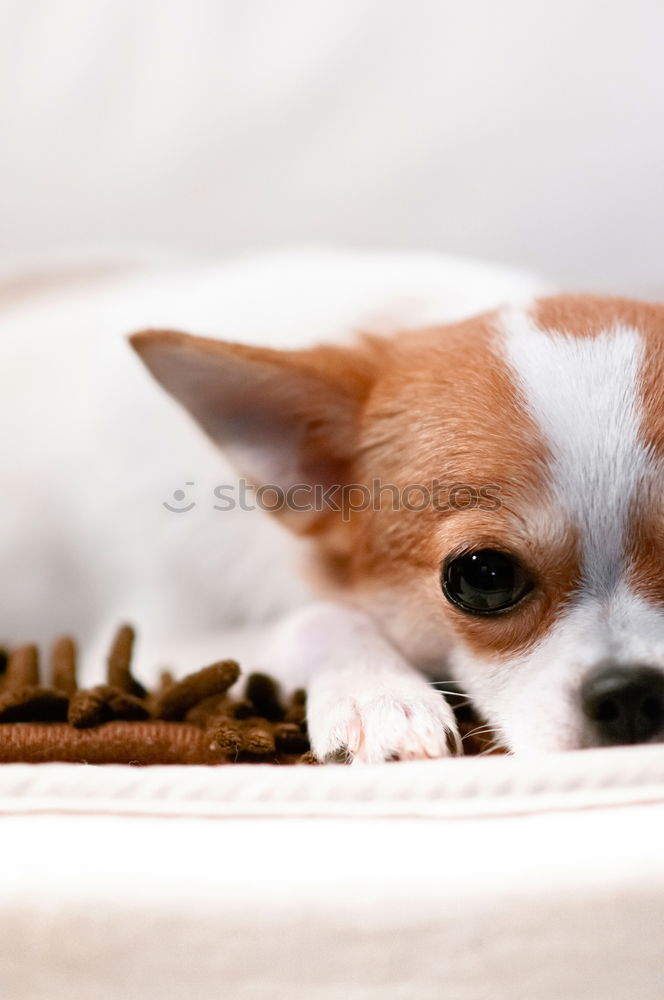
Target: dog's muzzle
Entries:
(624, 704)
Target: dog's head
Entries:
(489, 490)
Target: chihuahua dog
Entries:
(477, 498)
(544, 601)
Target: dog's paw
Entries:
(383, 726)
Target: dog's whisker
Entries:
(450, 692)
(453, 694)
(482, 730)
(496, 745)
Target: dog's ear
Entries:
(284, 417)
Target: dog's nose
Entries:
(624, 703)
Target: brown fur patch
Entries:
(588, 315)
(445, 407)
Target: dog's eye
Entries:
(484, 582)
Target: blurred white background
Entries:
(529, 133)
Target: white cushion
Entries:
(474, 878)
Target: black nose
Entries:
(624, 703)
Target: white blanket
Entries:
(469, 879)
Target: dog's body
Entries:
(542, 415)
(92, 450)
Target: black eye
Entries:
(484, 582)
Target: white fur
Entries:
(583, 393)
(535, 700)
(365, 702)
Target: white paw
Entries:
(383, 725)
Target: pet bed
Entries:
(466, 878)
(472, 878)
(194, 720)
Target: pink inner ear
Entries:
(283, 417)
